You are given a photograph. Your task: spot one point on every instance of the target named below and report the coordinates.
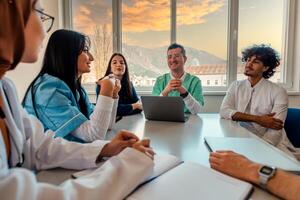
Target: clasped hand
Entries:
(174, 84)
(126, 139)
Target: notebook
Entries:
(164, 108)
(256, 150)
(193, 181)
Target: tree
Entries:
(101, 49)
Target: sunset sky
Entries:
(201, 24)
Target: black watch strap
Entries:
(183, 95)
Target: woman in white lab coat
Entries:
(23, 144)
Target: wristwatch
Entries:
(183, 95)
(265, 174)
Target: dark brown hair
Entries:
(125, 82)
(60, 60)
(14, 16)
(267, 55)
(175, 46)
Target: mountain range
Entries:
(153, 62)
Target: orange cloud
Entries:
(140, 16)
(188, 14)
(146, 15)
(82, 20)
(155, 15)
(86, 17)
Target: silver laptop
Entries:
(256, 150)
(164, 108)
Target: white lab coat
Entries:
(113, 180)
(264, 98)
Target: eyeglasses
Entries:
(48, 20)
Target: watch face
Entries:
(266, 170)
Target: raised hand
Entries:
(107, 87)
(117, 88)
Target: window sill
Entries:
(205, 93)
(221, 92)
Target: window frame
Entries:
(287, 52)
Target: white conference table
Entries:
(184, 140)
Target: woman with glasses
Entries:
(46, 19)
(25, 147)
(128, 100)
(57, 98)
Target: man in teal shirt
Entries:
(180, 83)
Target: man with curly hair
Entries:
(259, 105)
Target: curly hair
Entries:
(267, 55)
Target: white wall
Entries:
(24, 73)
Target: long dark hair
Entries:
(60, 60)
(125, 82)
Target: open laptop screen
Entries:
(163, 108)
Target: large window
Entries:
(145, 38)
(94, 18)
(213, 32)
(259, 24)
(202, 29)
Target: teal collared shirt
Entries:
(191, 83)
(57, 107)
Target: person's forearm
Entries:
(283, 184)
(113, 114)
(192, 104)
(52, 153)
(107, 182)
(164, 93)
(238, 116)
(97, 126)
